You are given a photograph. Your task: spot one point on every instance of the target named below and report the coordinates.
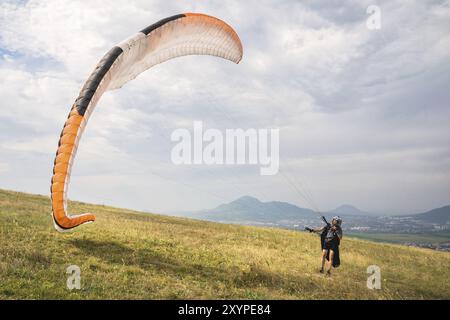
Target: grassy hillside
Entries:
(131, 255)
(430, 237)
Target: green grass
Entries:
(132, 255)
(432, 237)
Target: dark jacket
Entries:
(332, 244)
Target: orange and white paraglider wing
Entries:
(176, 36)
(181, 35)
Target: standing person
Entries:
(330, 239)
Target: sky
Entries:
(363, 114)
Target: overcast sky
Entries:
(363, 114)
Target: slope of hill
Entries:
(438, 216)
(133, 255)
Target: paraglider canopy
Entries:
(172, 37)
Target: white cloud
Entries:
(362, 113)
(3, 167)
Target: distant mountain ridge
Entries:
(249, 209)
(348, 209)
(439, 215)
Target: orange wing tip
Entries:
(225, 25)
(85, 218)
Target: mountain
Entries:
(437, 216)
(250, 209)
(347, 209)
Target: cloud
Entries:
(362, 113)
(3, 167)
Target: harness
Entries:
(323, 236)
